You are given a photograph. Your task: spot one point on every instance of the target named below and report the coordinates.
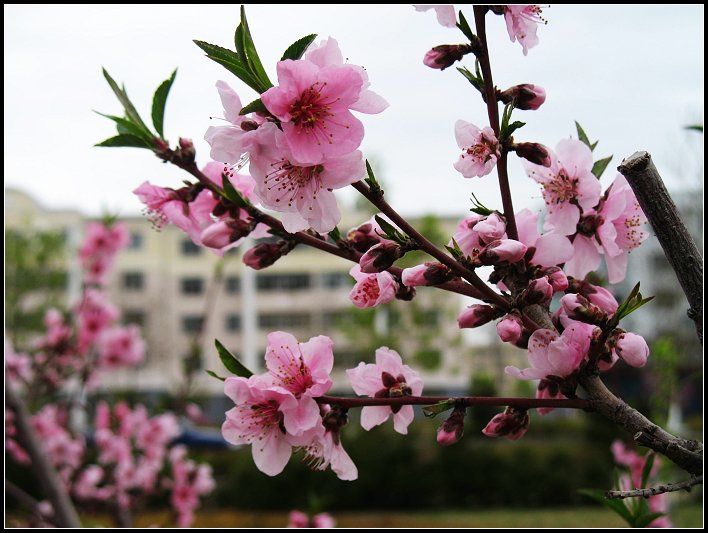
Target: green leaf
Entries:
(646, 471)
(511, 128)
(388, 228)
(125, 126)
(253, 107)
(248, 51)
(479, 207)
(215, 375)
(599, 166)
(695, 127)
(231, 194)
(124, 140)
(371, 180)
(584, 137)
(231, 62)
(431, 411)
(158, 104)
(335, 234)
(646, 519)
(229, 360)
(130, 110)
(455, 249)
(297, 49)
(464, 27)
(476, 82)
(616, 505)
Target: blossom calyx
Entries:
(453, 428)
(525, 96)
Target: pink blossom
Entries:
(265, 416)
(429, 273)
(445, 13)
(569, 186)
(480, 149)
(632, 348)
(64, 451)
(95, 314)
(300, 519)
(550, 249)
(229, 143)
(513, 424)
(300, 367)
(491, 228)
(18, 366)
(521, 23)
(121, 346)
(510, 328)
(371, 290)
(326, 449)
(467, 238)
(476, 315)
(313, 102)
(388, 378)
(101, 244)
(551, 354)
(302, 191)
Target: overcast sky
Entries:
(632, 76)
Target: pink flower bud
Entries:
(428, 273)
(365, 236)
(222, 233)
(491, 228)
(186, 147)
(380, 257)
(445, 55)
(265, 254)
(534, 153)
(510, 328)
(557, 279)
(602, 298)
(502, 251)
(539, 291)
(577, 307)
(513, 424)
(525, 96)
(476, 315)
(453, 428)
(633, 349)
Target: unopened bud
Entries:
(525, 96)
(249, 125)
(534, 152)
(222, 233)
(577, 307)
(265, 254)
(538, 291)
(380, 257)
(429, 273)
(187, 149)
(453, 428)
(601, 297)
(557, 278)
(476, 315)
(510, 328)
(513, 424)
(445, 55)
(632, 348)
(502, 251)
(364, 237)
(491, 228)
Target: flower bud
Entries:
(510, 328)
(186, 147)
(380, 257)
(534, 152)
(445, 55)
(491, 228)
(476, 315)
(222, 233)
(502, 251)
(602, 298)
(557, 278)
(632, 348)
(526, 96)
(453, 428)
(249, 125)
(265, 254)
(365, 236)
(429, 273)
(538, 291)
(577, 307)
(513, 424)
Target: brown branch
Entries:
(653, 491)
(490, 97)
(25, 500)
(673, 236)
(467, 401)
(685, 453)
(53, 487)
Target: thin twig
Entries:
(27, 501)
(468, 401)
(653, 491)
(673, 236)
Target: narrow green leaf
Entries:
(125, 126)
(464, 27)
(297, 49)
(232, 364)
(456, 253)
(335, 234)
(695, 127)
(476, 82)
(388, 228)
(252, 54)
(431, 411)
(240, 44)
(130, 110)
(158, 104)
(253, 107)
(511, 128)
(599, 166)
(646, 471)
(124, 140)
(215, 375)
(616, 505)
(646, 519)
(583, 136)
(231, 62)
(231, 194)
(371, 180)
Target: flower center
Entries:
(561, 189)
(291, 182)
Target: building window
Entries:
(334, 280)
(189, 248)
(192, 323)
(283, 320)
(192, 285)
(134, 316)
(282, 282)
(136, 240)
(233, 285)
(133, 281)
(233, 322)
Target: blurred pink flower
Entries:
(445, 13)
(120, 346)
